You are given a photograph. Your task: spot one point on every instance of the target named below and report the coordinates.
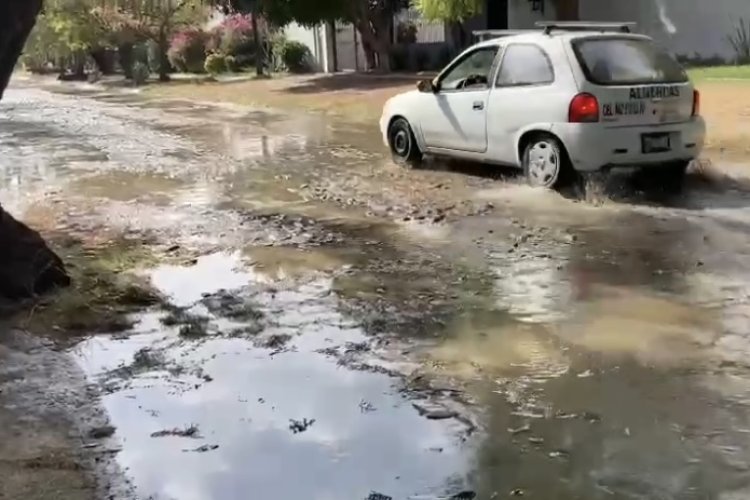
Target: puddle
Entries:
(602, 347)
(264, 415)
(285, 263)
(129, 187)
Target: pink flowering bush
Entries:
(187, 50)
(234, 37)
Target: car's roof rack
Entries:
(549, 26)
(490, 34)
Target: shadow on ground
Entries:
(352, 81)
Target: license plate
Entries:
(656, 143)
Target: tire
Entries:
(545, 163)
(671, 177)
(404, 148)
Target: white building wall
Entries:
(521, 15)
(317, 39)
(685, 27)
(351, 56)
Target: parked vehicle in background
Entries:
(558, 101)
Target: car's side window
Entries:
(524, 64)
(472, 72)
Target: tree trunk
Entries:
(163, 47)
(125, 54)
(259, 51)
(17, 18)
(371, 62)
(27, 265)
(103, 60)
(376, 45)
(383, 49)
(79, 65)
(567, 10)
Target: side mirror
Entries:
(426, 86)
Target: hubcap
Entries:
(401, 141)
(544, 164)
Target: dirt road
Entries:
(350, 329)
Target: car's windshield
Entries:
(622, 61)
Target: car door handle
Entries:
(478, 106)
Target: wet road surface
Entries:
(355, 329)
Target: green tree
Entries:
(65, 32)
(154, 20)
(449, 10)
(373, 19)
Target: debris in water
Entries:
(464, 495)
(366, 406)
(191, 432)
(518, 492)
(195, 327)
(525, 428)
(585, 374)
(102, 432)
(378, 496)
(434, 412)
(276, 341)
(297, 426)
(204, 448)
(559, 454)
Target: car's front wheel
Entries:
(545, 162)
(403, 144)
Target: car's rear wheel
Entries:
(403, 144)
(545, 162)
(671, 177)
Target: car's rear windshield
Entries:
(626, 61)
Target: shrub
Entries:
(295, 57)
(141, 73)
(231, 63)
(187, 52)
(406, 32)
(216, 64)
(235, 35)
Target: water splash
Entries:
(664, 17)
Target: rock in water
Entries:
(28, 266)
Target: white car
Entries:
(563, 99)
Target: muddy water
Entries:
(356, 328)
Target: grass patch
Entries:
(360, 99)
(104, 290)
(720, 73)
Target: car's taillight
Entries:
(696, 103)
(584, 108)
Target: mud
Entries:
(366, 330)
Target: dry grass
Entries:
(103, 294)
(354, 96)
(726, 107)
(725, 104)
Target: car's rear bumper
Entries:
(592, 147)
